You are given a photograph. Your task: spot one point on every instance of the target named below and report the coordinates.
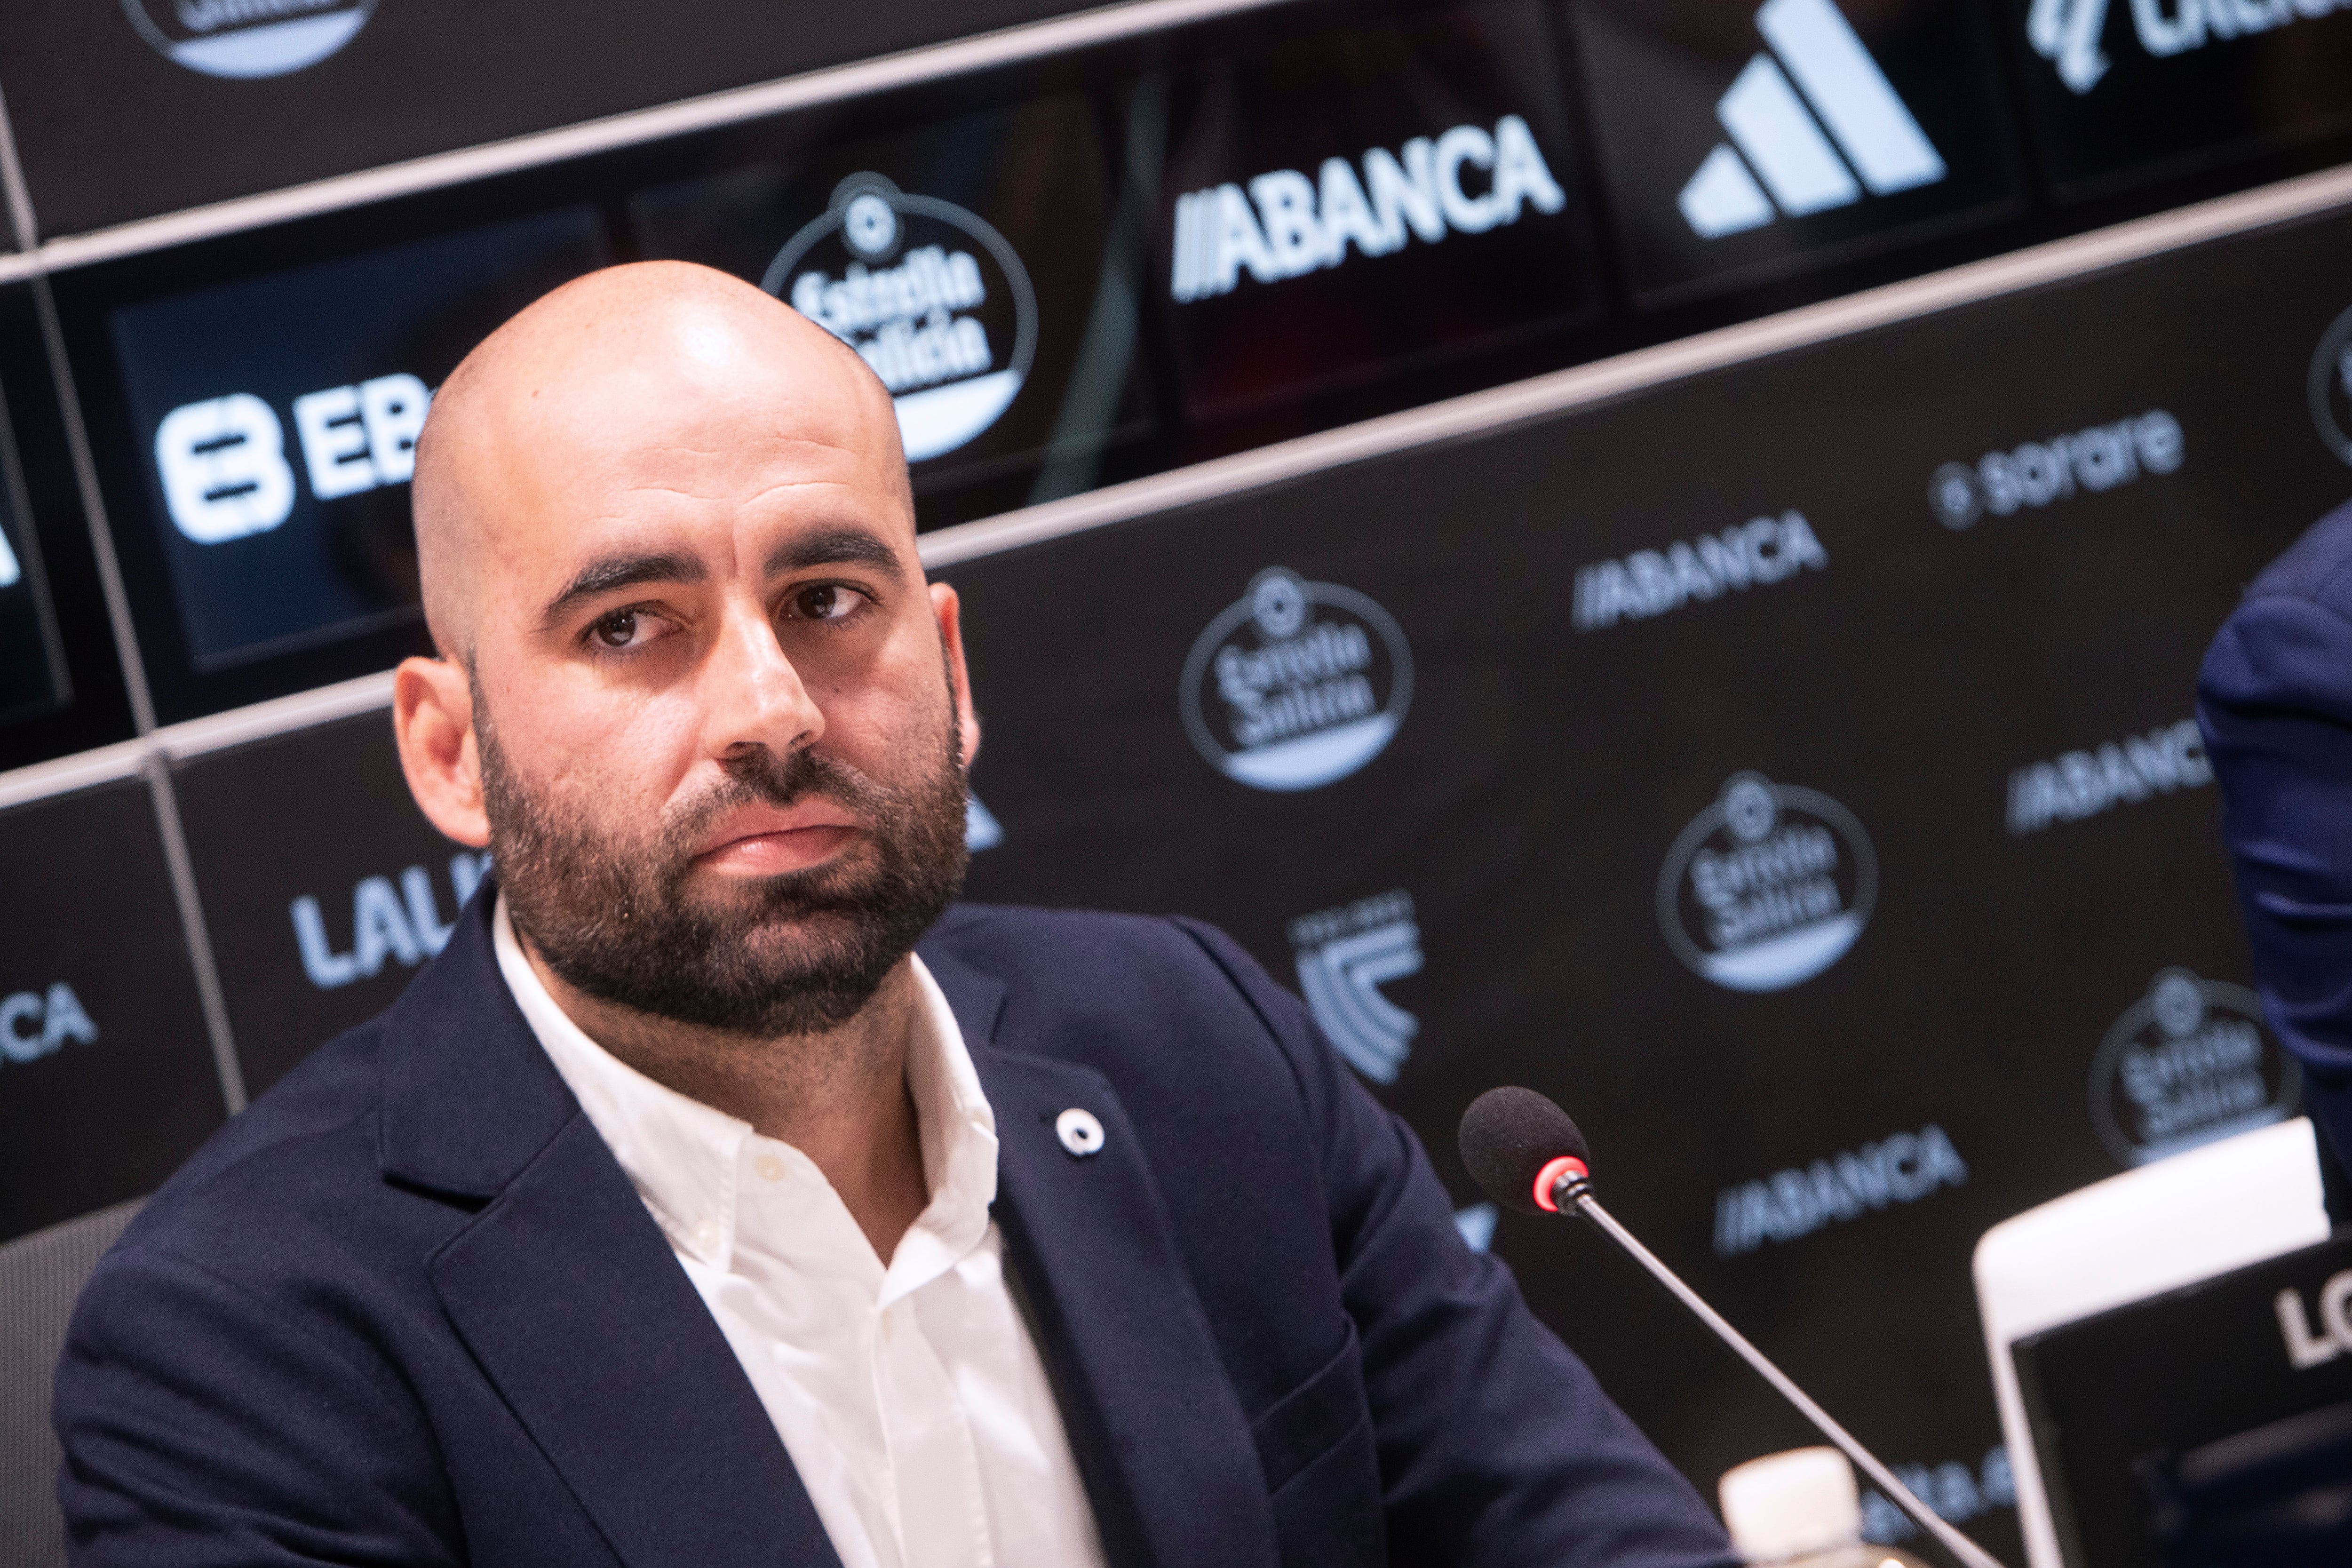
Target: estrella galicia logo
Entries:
(1345, 956)
(2186, 1064)
(248, 37)
(929, 295)
(2330, 386)
(1768, 887)
(1297, 685)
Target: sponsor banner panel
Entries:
(2125, 91)
(283, 92)
(1845, 867)
(1354, 203)
(324, 889)
(257, 458)
(1740, 143)
(60, 682)
(33, 679)
(969, 263)
(107, 1078)
(32, 676)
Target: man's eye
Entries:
(827, 602)
(617, 630)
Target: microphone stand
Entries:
(1576, 1188)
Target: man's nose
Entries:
(753, 696)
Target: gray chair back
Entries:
(40, 1276)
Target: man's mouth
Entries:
(768, 840)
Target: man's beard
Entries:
(794, 953)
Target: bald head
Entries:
(633, 384)
(698, 697)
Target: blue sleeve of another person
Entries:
(2275, 700)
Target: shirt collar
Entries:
(686, 1159)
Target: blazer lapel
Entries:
(568, 1294)
(1163, 1446)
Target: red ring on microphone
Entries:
(1551, 1175)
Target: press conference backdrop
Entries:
(1651, 549)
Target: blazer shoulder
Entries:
(1014, 941)
(1134, 995)
(305, 1139)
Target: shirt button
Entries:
(706, 1235)
(889, 1323)
(1079, 1131)
(771, 1168)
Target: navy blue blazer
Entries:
(407, 1310)
(2275, 700)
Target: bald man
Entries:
(724, 1194)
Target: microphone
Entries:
(1527, 1155)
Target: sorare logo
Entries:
(2039, 472)
(248, 37)
(1295, 685)
(1768, 887)
(931, 296)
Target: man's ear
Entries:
(950, 612)
(433, 719)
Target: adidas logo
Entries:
(1776, 135)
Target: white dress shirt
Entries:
(912, 1399)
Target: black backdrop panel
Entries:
(2125, 92)
(105, 118)
(32, 681)
(1722, 174)
(977, 277)
(1911, 983)
(257, 461)
(1363, 200)
(107, 1081)
(324, 888)
(47, 531)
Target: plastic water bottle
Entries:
(1801, 1510)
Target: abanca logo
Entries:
(2186, 1064)
(928, 294)
(1777, 137)
(1297, 685)
(248, 37)
(1768, 887)
(1301, 225)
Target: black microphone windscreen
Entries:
(1509, 1136)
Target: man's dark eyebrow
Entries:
(835, 546)
(602, 576)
